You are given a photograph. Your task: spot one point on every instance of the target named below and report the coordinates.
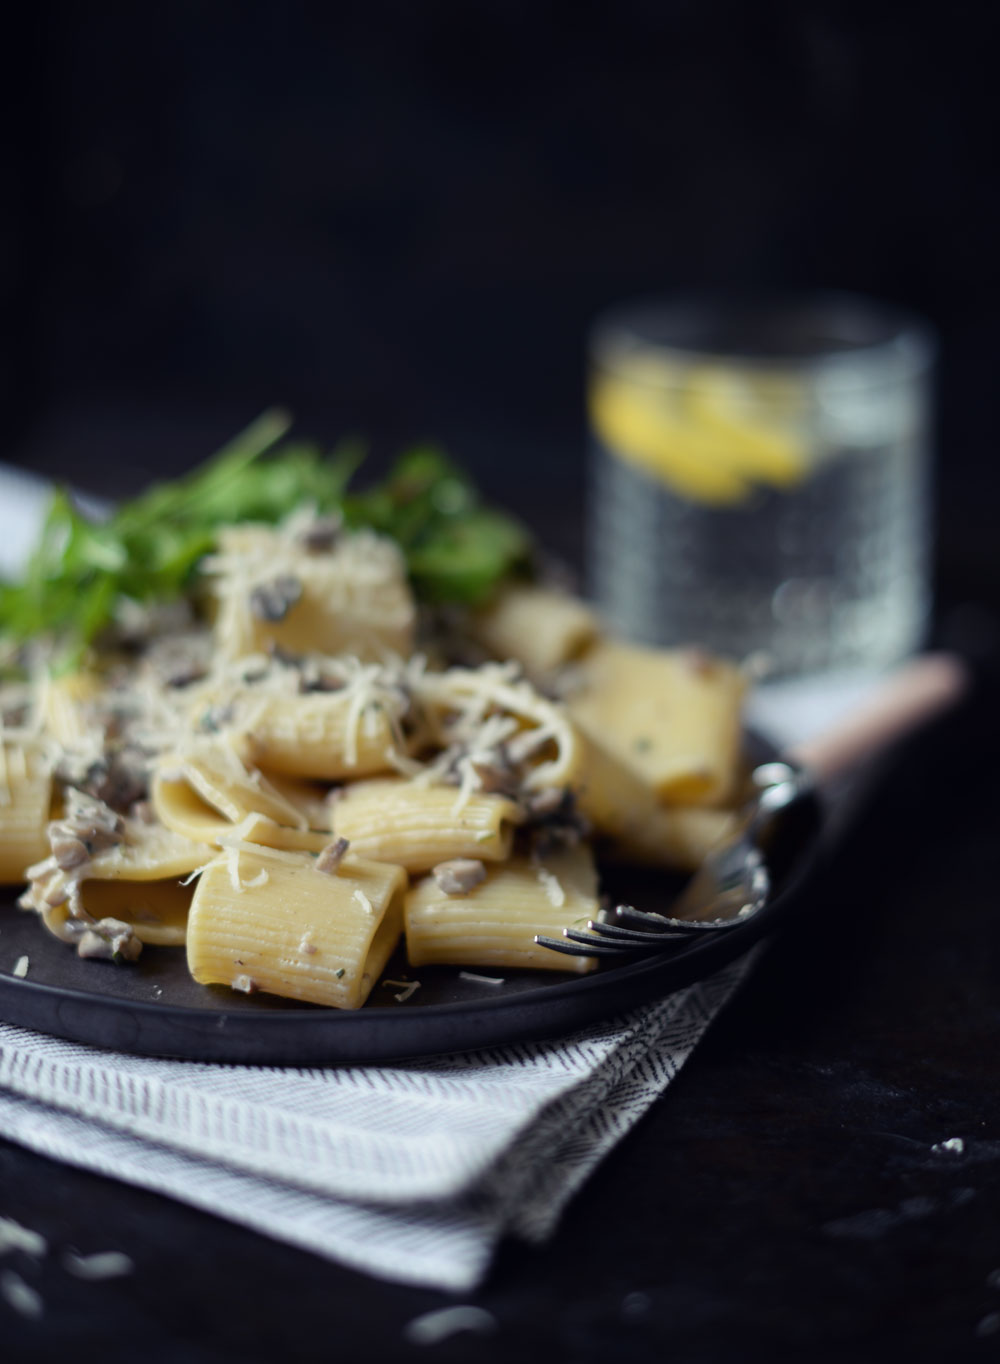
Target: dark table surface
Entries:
(782, 1200)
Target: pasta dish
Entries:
(301, 757)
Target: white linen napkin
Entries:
(412, 1171)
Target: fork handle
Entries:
(913, 695)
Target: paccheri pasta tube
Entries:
(494, 922)
(671, 716)
(416, 826)
(154, 912)
(542, 628)
(263, 919)
(25, 797)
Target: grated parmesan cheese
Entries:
(953, 1146)
(406, 988)
(25, 1300)
(106, 1264)
(15, 1237)
(433, 1327)
(553, 890)
(481, 980)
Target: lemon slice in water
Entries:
(701, 431)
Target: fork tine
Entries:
(582, 936)
(661, 925)
(580, 947)
(641, 919)
(635, 935)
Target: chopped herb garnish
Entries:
(148, 549)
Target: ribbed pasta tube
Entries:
(149, 852)
(309, 798)
(672, 716)
(267, 920)
(417, 826)
(351, 598)
(623, 807)
(328, 735)
(265, 832)
(612, 795)
(676, 836)
(156, 910)
(64, 702)
(25, 797)
(203, 794)
(134, 882)
(539, 627)
(494, 923)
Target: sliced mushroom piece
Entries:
(272, 601)
(460, 875)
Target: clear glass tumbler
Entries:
(759, 479)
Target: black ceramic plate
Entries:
(154, 1008)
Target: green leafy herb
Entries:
(456, 549)
(148, 549)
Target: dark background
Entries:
(398, 219)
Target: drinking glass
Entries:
(759, 478)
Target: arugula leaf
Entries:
(456, 550)
(462, 559)
(149, 548)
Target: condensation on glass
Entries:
(759, 476)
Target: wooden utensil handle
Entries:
(913, 695)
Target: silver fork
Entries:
(734, 883)
(731, 884)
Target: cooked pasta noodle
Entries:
(156, 911)
(417, 826)
(495, 922)
(542, 629)
(268, 920)
(673, 717)
(25, 797)
(351, 598)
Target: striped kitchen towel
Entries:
(412, 1171)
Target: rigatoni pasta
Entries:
(494, 922)
(202, 794)
(672, 716)
(327, 735)
(303, 588)
(541, 628)
(263, 919)
(156, 912)
(25, 798)
(417, 825)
